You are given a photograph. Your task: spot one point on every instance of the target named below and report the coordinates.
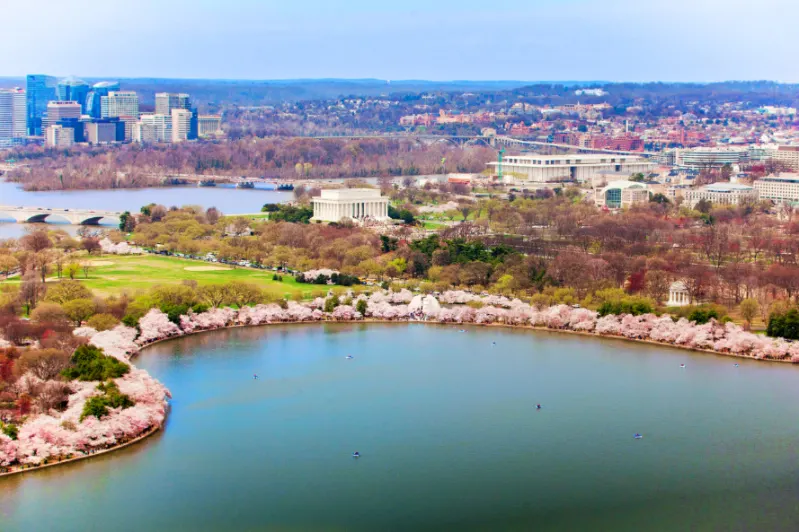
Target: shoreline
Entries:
(501, 325)
(155, 429)
(137, 439)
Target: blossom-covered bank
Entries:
(721, 338)
(57, 436)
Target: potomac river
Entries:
(449, 436)
(227, 199)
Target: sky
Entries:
(612, 40)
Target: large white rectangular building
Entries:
(181, 124)
(119, 103)
(787, 155)
(153, 128)
(209, 125)
(59, 137)
(721, 194)
(355, 203)
(574, 167)
(778, 188)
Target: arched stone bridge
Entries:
(73, 216)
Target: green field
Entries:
(113, 274)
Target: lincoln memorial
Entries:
(354, 203)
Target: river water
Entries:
(228, 199)
(449, 436)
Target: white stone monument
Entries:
(354, 203)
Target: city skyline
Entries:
(617, 40)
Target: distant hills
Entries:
(265, 92)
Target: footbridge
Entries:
(73, 216)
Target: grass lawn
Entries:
(433, 225)
(114, 274)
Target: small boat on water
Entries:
(637, 436)
(246, 184)
(285, 187)
(356, 454)
(349, 357)
(207, 183)
(682, 366)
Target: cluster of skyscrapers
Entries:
(71, 111)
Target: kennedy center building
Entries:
(354, 203)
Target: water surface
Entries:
(227, 199)
(449, 436)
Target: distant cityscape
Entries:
(61, 113)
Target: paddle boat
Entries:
(349, 357)
(356, 454)
(637, 436)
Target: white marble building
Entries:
(678, 295)
(353, 203)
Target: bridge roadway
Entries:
(499, 139)
(73, 216)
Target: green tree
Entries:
(749, 308)
(89, 363)
(79, 310)
(361, 306)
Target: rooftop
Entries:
(350, 193)
(726, 187)
(623, 185)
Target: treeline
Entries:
(134, 165)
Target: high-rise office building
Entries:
(39, 90)
(72, 89)
(57, 111)
(119, 103)
(57, 136)
(153, 128)
(93, 105)
(166, 101)
(12, 115)
(181, 124)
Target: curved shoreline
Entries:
(135, 440)
(501, 325)
(155, 429)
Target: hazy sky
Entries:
(616, 40)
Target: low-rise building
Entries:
(779, 188)
(105, 131)
(354, 203)
(621, 194)
(574, 167)
(711, 157)
(787, 155)
(209, 125)
(721, 194)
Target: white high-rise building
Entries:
(166, 101)
(153, 128)
(118, 104)
(181, 124)
(59, 137)
(12, 114)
